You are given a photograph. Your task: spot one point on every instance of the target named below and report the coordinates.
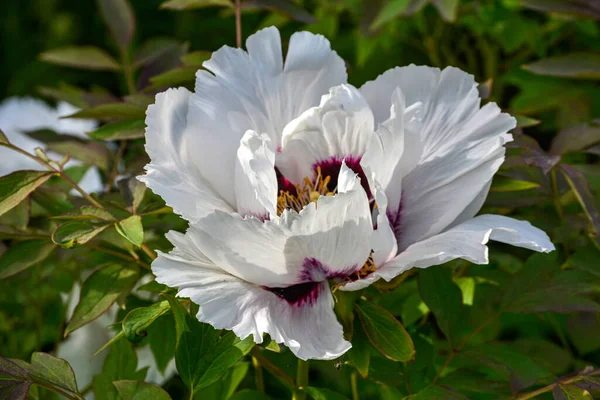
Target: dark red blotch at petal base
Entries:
(307, 293)
(283, 184)
(331, 167)
(300, 294)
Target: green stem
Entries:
(128, 72)
(238, 24)
(273, 369)
(258, 374)
(115, 168)
(354, 385)
(301, 380)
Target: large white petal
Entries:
(395, 148)
(436, 192)
(340, 127)
(467, 241)
(460, 148)
(326, 239)
(310, 330)
(255, 179)
(255, 91)
(172, 172)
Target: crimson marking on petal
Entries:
(331, 167)
(301, 294)
(315, 270)
(395, 218)
(283, 184)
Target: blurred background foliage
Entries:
(521, 324)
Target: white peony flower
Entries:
(290, 178)
(18, 115)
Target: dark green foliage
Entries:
(525, 325)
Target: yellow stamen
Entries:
(306, 192)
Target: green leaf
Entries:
(583, 329)
(18, 216)
(462, 380)
(3, 138)
(89, 153)
(542, 286)
(110, 111)
(117, 14)
(100, 291)
(121, 130)
(391, 10)
(225, 387)
(526, 122)
(84, 57)
(191, 4)
(52, 370)
(586, 259)
(437, 393)
(138, 390)
(324, 394)
(581, 189)
(76, 233)
(174, 77)
(15, 187)
(139, 319)
(545, 353)
(570, 392)
(202, 356)
(360, 353)
(575, 138)
(195, 58)
(23, 255)
(97, 214)
(583, 8)
(285, 7)
(511, 185)
(443, 297)
(131, 229)
(447, 9)
(512, 365)
(248, 394)
(120, 364)
(385, 333)
(13, 389)
(574, 65)
(153, 49)
(162, 338)
(133, 192)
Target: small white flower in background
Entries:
(79, 348)
(291, 178)
(18, 115)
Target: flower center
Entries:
(299, 196)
